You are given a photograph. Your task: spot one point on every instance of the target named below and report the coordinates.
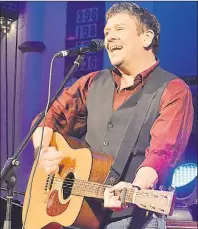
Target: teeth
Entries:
(116, 47)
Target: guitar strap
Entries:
(144, 98)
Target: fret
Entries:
(88, 189)
(129, 196)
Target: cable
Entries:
(0, 85)
(42, 134)
(6, 85)
(14, 93)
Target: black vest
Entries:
(105, 127)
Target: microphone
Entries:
(94, 45)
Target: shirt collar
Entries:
(141, 77)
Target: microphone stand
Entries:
(11, 182)
(15, 192)
(7, 174)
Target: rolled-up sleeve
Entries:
(68, 114)
(171, 130)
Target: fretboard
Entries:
(95, 190)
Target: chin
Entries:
(116, 63)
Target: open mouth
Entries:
(115, 48)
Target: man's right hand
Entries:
(50, 158)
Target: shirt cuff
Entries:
(160, 163)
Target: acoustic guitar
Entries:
(73, 196)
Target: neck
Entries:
(138, 65)
(96, 190)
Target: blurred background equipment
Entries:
(16, 213)
(185, 211)
(185, 182)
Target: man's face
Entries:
(122, 41)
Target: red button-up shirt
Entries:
(169, 133)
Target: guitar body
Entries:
(49, 202)
(73, 196)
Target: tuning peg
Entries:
(171, 189)
(152, 207)
(143, 205)
(162, 188)
(162, 210)
(163, 195)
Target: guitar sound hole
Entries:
(67, 185)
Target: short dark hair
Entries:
(144, 19)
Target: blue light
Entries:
(184, 174)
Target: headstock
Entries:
(154, 200)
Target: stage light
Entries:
(9, 21)
(184, 174)
(185, 184)
(5, 25)
(9, 12)
(1, 21)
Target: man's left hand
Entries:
(113, 201)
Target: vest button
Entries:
(106, 143)
(110, 125)
(112, 180)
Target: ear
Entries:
(147, 38)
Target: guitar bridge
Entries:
(48, 186)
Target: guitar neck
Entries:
(88, 189)
(154, 200)
(95, 190)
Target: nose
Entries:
(111, 35)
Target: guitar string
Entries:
(91, 185)
(90, 190)
(66, 181)
(59, 180)
(128, 197)
(80, 183)
(97, 193)
(77, 182)
(72, 180)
